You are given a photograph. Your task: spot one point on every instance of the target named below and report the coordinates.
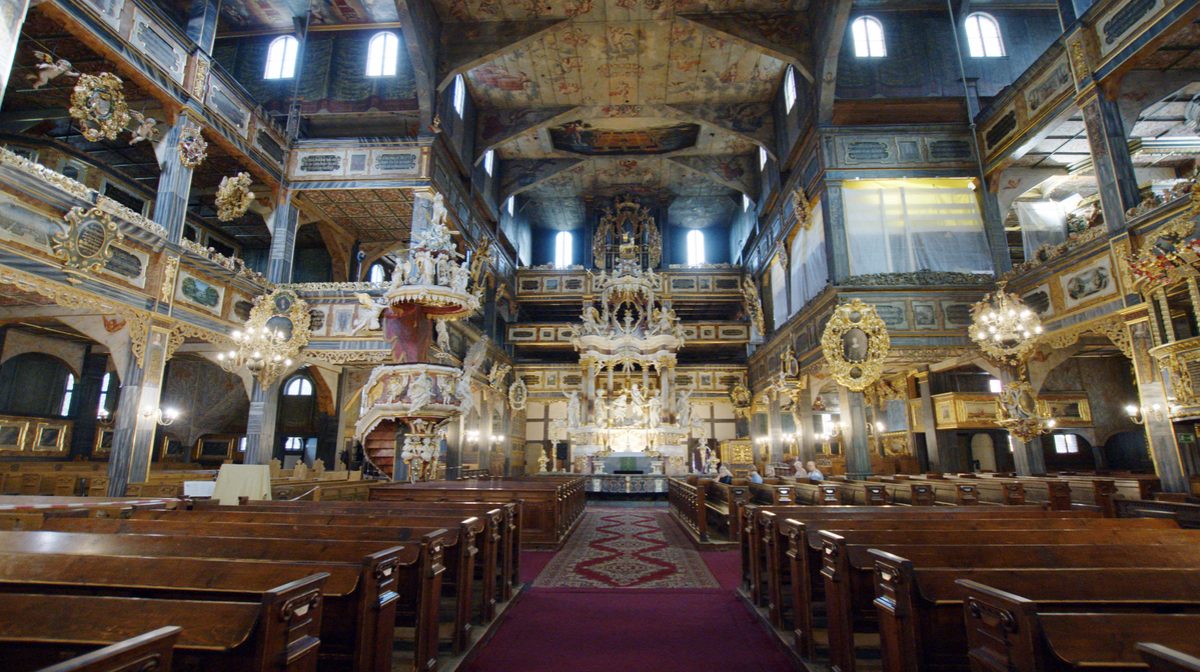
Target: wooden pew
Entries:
(273, 634)
(1009, 632)
(686, 499)
(920, 608)
(359, 601)
(150, 651)
(499, 547)
(418, 584)
(1164, 659)
(800, 552)
(848, 571)
(723, 503)
(459, 549)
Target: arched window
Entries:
(102, 411)
(695, 247)
(562, 249)
(382, 53)
(746, 203)
(376, 274)
(68, 393)
(983, 36)
(868, 37)
(460, 95)
(281, 58)
(789, 89)
(298, 386)
(489, 161)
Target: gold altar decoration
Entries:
(193, 148)
(627, 222)
(742, 400)
(518, 394)
(98, 105)
(87, 244)
(277, 329)
(234, 197)
(753, 305)
(1018, 411)
(855, 345)
(802, 208)
(1168, 255)
(1003, 327)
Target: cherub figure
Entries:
(147, 128)
(50, 69)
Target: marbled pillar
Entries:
(282, 221)
(202, 23)
(806, 429)
(856, 445)
(1112, 164)
(260, 424)
(133, 433)
(12, 17)
(774, 430)
(174, 182)
(928, 421)
(1160, 431)
(837, 252)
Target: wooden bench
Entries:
(1009, 632)
(418, 584)
(271, 635)
(686, 500)
(151, 651)
(1164, 659)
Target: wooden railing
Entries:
(687, 503)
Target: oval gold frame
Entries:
(855, 375)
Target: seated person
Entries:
(755, 477)
(814, 474)
(724, 475)
(798, 471)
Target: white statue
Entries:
(620, 408)
(50, 69)
(443, 335)
(420, 392)
(147, 128)
(601, 410)
(636, 396)
(573, 409)
(655, 413)
(683, 406)
(368, 318)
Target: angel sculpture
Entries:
(573, 409)
(443, 335)
(147, 128)
(50, 69)
(683, 407)
(472, 362)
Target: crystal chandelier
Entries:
(1004, 327)
(264, 351)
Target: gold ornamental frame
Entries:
(234, 197)
(855, 345)
(87, 244)
(193, 148)
(98, 105)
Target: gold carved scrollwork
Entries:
(802, 208)
(98, 105)
(166, 291)
(855, 345)
(87, 244)
(234, 197)
(193, 148)
(1111, 327)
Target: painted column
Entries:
(774, 431)
(202, 23)
(133, 433)
(174, 181)
(260, 425)
(806, 427)
(282, 222)
(1160, 431)
(1113, 166)
(928, 421)
(837, 252)
(858, 452)
(454, 439)
(12, 17)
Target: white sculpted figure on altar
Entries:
(601, 410)
(638, 400)
(591, 320)
(683, 406)
(420, 392)
(573, 409)
(655, 413)
(620, 408)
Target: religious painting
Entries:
(1089, 284)
(129, 265)
(924, 314)
(622, 136)
(172, 450)
(19, 224)
(343, 320)
(12, 434)
(957, 314)
(854, 345)
(104, 442)
(50, 438)
(316, 318)
(196, 292)
(1039, 301)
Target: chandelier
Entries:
(264, 351)
(1004, 327)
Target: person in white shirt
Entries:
(755, 477)
(814, 474)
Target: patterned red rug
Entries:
(620, 548)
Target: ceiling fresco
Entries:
(625, 136)
(241, 15)
(370, 215)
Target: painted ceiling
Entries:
(370, 215)
(587, 99)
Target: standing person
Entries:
(814, 474)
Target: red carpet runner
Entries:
(630, 594)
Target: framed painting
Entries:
(50, 437)
(12, 434)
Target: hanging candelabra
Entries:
(1004, 327)
(265, 352)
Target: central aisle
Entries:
(629, 592)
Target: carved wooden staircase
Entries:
(380, 447)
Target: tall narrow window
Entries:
(695, 247)
(382, 53)
(298, 386)
(489, 161)
(868, 37)
(746, 203)
(102, 406)
(762, 158)
(281, 58)
(510, 206)
(1066, 444)
(563, 242)
(983, 36)
(460, 95)
(789, 89)
(376, 274)
(68, 393)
